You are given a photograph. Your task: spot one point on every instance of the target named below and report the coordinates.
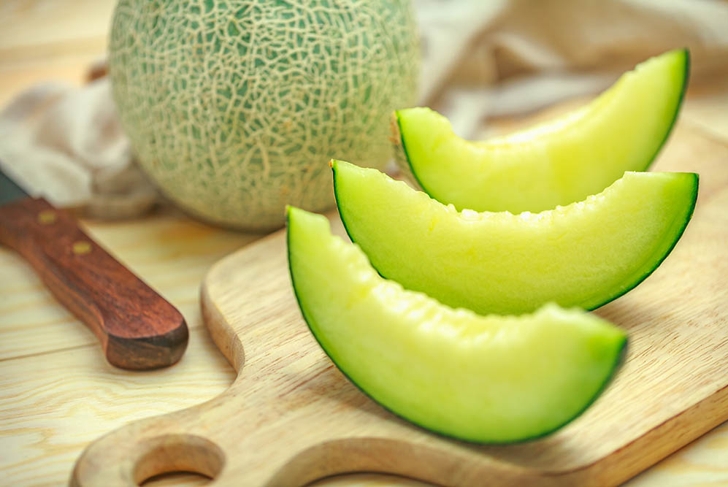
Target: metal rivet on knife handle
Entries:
(81, 247)
(47, 217)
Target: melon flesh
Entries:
(557, 162)
(234, 108)
(584, 254)
(488, 379)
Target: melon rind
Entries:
(234, 108)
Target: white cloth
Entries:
(500, 57)
(480, 59)
(66, 144)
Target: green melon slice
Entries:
(555, 163)
(584, 254)
(487, 379)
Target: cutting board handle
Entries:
(146, 448)
(255, 435)
(285, 458)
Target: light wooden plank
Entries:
(36, 23)
(708, 110)
(52, 405)
(50, 41)
(702, 463)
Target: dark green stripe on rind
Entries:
(668, 248)
(683, 89)
(412, 173)
(341, 215)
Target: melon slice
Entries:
(555, 163)
(484, 379)
(584, 254)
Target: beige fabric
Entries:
(66, 144)
(480, 59)
(485, 59)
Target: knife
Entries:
(137, 328)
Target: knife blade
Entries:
(137, 328)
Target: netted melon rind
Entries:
(234, 108)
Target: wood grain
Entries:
(48, 356)
(57, 392)
(45, 41)
(55, 404)
(291, 417)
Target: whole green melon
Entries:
(235, 107)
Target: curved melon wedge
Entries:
(482, 379)
(556, 163)
(584, 254)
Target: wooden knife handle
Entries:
(137, 328)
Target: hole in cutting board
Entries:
(187, 459)
(178, 479)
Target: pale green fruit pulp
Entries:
(491, 379)
(555, 163)
(584, 254)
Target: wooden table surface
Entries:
(57, 394)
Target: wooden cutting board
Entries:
(291, 417)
